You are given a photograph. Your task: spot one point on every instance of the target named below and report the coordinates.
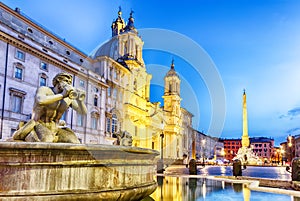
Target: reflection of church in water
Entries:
(114, 78)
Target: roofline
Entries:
(38, 27)
(113, 61)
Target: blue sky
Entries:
(254, 45)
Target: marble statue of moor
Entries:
(49, 105)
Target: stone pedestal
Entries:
(296, 169)
(193, 167)
(237, 168)
(59, 171)
(160, 166)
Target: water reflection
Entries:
(251, 171)
(198, 189)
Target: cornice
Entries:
(37, 27)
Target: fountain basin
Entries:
(63, 171)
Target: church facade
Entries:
(115, 79)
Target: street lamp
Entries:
(160, 163)
(282, 152)
(277, 156)
(203, 150)
(162, 146)
(290, 144)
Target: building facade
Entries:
(263, 147)
(297, 145)
(231, 147)
(204, 147)
(290, 148)
(114, 78)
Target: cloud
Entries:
(294, 112)
(293, 131)
(291, 114)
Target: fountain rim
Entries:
(77, 147)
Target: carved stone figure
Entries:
(123, 139)
(49, 106)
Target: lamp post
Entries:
(282, 152)
(162, 146)
(160, 163)
(290, 144)
(203, 151)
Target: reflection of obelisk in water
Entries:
(245, 137)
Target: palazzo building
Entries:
(114, 78)
(263, 147)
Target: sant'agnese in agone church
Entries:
(115, 80)
(116, 84)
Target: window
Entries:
(115, 75)
(18, 73)
(17, 97)
(16, 103)
(42, 81)
(125, 48)
(108, 125)
(108, 91)
(44, 65)
(29, 30)
(96, 100)
(81, 83)
(114, 124)
(79, 119)
(94, 123)
(20, 55)
(94, 120)
(12, 130)
(115, 92)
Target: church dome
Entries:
(106, 49)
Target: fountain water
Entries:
(247, 156)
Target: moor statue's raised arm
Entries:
(49, 105)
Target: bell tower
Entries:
(118, 25)
(172, 113)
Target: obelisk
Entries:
(245, 137)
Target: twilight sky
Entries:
(253, 44)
